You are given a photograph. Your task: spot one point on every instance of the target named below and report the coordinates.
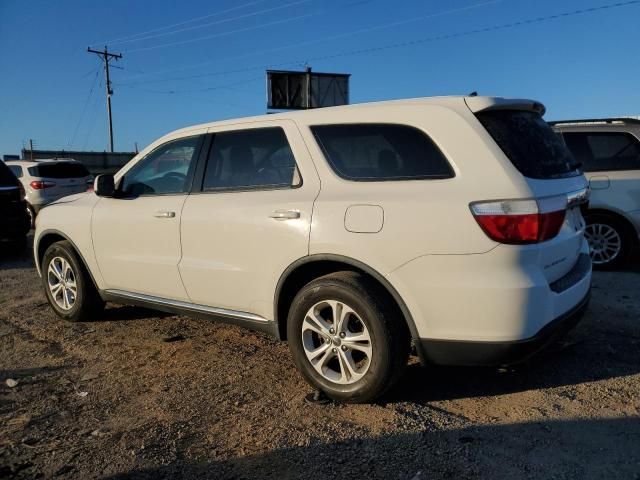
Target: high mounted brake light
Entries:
(521, 222)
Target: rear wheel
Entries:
(67, 284)
(609, 240)
(344, 338)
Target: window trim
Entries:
(598, 134)
(198, 184)
(332, 168)
(189, 180)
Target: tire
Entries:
(370, 313)
(18, 246)
(83, 303)
(32, 216)
(610, 241)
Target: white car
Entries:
(48, 180)
(453, 223)
(609, 150)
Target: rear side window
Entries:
(259, 158)
(377, 152)
(59, 170)
(7, 178)
(530, 143)
(601, 151)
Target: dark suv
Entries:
(14, 220)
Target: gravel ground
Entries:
(138, 394)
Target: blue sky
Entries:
(213, 68)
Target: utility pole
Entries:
(106, 57)
(309, 92)
(31, 149)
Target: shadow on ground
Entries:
(580, 449)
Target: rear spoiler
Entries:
(482, 104)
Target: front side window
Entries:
(601, 151)
(258, 158)
(166, 170)
(376, 152)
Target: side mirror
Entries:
(104, 185)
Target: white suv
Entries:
(609, 150)
(453, 223)
(48, 180)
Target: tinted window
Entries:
(604, 151)
(166, 170)
(530, 143)
(249, 159)
(59, 170)
(374, 152)
(7, 178)
(16, 170)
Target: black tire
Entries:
(621, 229)
(18, 246)
(390, 340)
(87, 304)
(32, 216)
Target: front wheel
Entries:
(346, 338)
(67, 284)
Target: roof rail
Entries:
(630, 121)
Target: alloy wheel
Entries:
(605, 242)
(62, 283)
(336, 342)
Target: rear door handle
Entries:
(285, 214)
(164, 214)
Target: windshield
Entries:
(530, 143)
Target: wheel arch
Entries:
(306, 269)
(48, 238)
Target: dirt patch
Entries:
(138, 394)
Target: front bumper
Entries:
(463, 353)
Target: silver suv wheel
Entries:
(336, 342)
(605, 243)
(61, 280)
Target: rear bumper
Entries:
(463, 353)
(15, 227)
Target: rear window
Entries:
(7, 178)
(59, 170)
(530, 143)
(377, 152)
(601, 151)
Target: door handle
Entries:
(164, 214)
(285, 214)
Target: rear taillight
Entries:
(521, 221)
(41, 184)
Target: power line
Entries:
(333, 37)
(93, 114)
(211, 15)
(411, 43)
(84, 107)
(223, 34)
(196, 90)
(217, 22)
